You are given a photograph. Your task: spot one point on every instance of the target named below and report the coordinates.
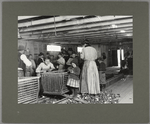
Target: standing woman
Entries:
(89, 76)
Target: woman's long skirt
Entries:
(90, 78)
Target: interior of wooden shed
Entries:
(110, 35)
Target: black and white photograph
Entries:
(75, 59)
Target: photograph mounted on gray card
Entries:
(75, 59)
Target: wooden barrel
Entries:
(54, 83)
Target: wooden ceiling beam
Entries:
(98, 34)
(51, 28)
(25, 17)
(89, 34)
(80, 38)
(101, 31)
(78, 30)
(45, 21)
(74, 29)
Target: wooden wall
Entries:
(36, 47)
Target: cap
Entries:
(21, 47)
(41, 54)
(70, 49)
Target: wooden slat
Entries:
(89, 32)
(48, 20)
(25, 17)
(27, 82)
(28, 96)
(28, 88)
(27, 78)
(103, 28)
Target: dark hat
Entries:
(73, 52)
(86, 43)
(60, 53)
(41, 54)
(100, 58)
(21, 47)
(70, 49)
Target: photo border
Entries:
(138, 112)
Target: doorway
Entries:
(120, 53)
(116, 57)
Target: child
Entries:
(73, 79)
(45, 66)
(102, 69)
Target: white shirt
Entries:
(43, 67)
(89, 53)
(25, 60)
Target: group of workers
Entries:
(86, 71)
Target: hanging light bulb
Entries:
(122, 31)
(114, 26)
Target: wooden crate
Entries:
(28, 88)
(54, 83)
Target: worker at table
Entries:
(40, 59)
(61, 62)
(45, 66)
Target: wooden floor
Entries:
(124, 88)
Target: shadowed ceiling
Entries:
(75, 29)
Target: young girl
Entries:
(102, 70)
(73, 79)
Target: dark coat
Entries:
(75, 74)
